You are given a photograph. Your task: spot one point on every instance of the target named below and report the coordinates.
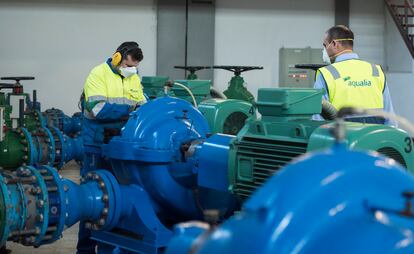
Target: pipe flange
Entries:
(56, 191)
(101, 222)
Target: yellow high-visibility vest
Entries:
(354, 83)
(103, 85)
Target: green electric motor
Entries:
(286, 131)
(226, 116)
(154, 88)
(154, 85)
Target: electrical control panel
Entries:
(289, 76)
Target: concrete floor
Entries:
(65, 245)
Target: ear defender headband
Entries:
(121, 53)
(344, 39)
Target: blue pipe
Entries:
(85, 202)
(336, 201)
(38, 204)
(74, 148)
(68, 125)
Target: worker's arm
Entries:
(388, 107)
(98, 103)
(320, 83)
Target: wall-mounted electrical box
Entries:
(289, 76)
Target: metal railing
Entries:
(403, 14)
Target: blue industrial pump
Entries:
(167, 168)
(334, 201)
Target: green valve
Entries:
(237, 88)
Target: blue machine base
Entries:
(114, 243)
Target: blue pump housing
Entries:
(159, 151)
(336, 201)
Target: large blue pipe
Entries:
(335, 201)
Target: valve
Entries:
(192, 70)
(237, 70)
(17, 87)
(313, 67)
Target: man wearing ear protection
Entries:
(112, 90)
(349, 81)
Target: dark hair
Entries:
(131, 48)
(341, 32)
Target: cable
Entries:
(216, 93)
(329, 112)
(189, 92)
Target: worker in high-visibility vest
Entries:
(349, 81)
(112, 90)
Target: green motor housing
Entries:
(286, 131)
(225, 115)
(154, 85)
(199, 88)
(154, 88)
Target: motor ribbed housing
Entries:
(260, 158)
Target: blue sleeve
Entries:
(388, 107)
(111, 111)
(320, 83)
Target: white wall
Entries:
(59, 42)
(366, 20)
(251, 33)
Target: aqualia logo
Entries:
(359, 83)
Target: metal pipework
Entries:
(43, 145)
(37, 204)
(68, 125)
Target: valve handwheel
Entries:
(237, 70)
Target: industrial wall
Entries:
(59, 42)
(251, 33)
